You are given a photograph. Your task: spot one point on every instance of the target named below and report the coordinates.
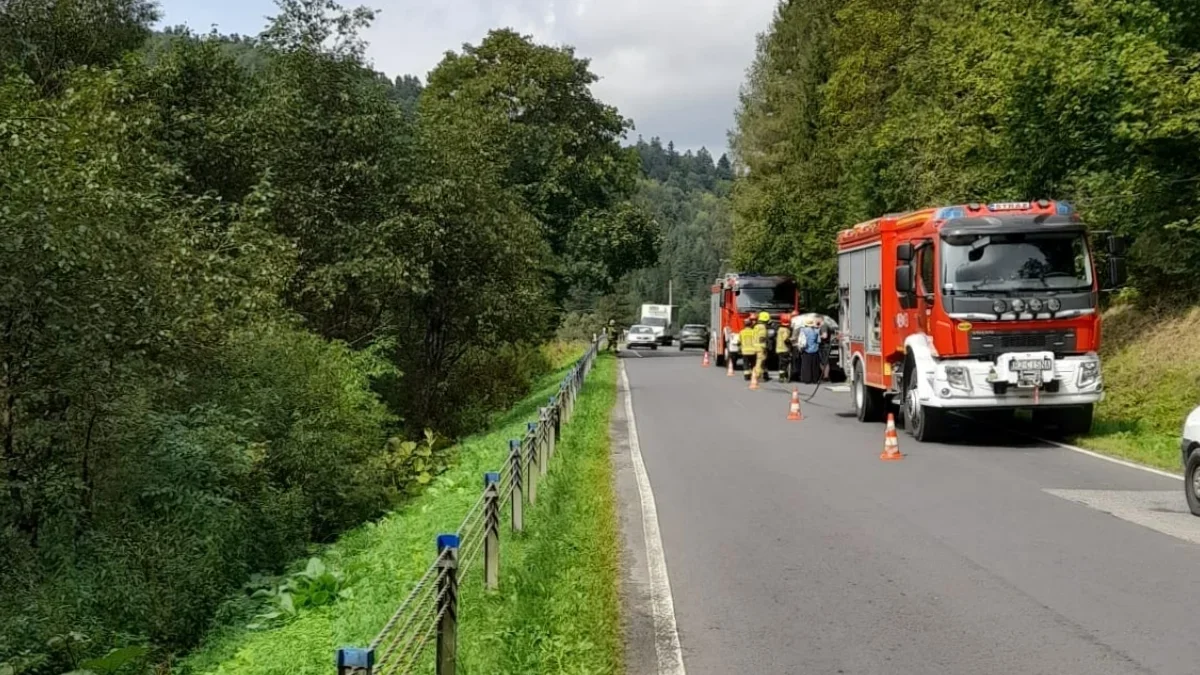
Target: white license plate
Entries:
(1021, 365)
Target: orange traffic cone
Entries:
(729, 362)
(891, 447)
(794, 413)
(705, 364)
(754, 379)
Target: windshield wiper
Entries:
(989, 280)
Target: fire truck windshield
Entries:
(1013, 262)
(753, 298)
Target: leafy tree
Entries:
(45, 38)
(854, 108)
(687, 196)
(560, 149)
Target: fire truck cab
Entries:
(974, 307)
(736, 295)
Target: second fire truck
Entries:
(974, 307)
(736, 295)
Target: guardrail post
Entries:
(491, 532)
(447, 629)
(555, 423)
(355, 661)
(547, 441)
(531, 475)
(518, 485)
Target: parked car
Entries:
(693, 335)
(1190, 447)
(640, 337)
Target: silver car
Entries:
(640, 337)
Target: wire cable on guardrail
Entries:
(402, 652)
(431, 606)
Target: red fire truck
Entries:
(736, 295)
(971, 308)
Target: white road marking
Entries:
(1160, 510)
(1114, 460)
(666, 635)
(1097, 455)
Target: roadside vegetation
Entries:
(857, 108)
(1152, 381)
(557, 609)
(251, 291)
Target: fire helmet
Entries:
(763, 316)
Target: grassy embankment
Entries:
(1152, 380)
(557, 609)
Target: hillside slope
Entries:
(1152, 378)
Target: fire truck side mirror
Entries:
(1116, 245)
(904, 252)
(1117, 273)
(904, 279)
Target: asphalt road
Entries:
(791, 548)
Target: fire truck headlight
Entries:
(1053, 304)
(1089, 372)
(1035, 305)
(957, 377)
(999, 307)
(1018, 305)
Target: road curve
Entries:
(792, 549)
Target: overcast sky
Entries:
(674, 66)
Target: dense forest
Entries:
(248, 286)
(688, 196)
(856, 108)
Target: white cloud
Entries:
(674, 66)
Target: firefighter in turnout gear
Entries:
(783, 348)
(760, 341)
(749, 346)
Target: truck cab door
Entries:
(926, 268)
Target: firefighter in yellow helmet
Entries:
(749, 346)
(760, 340)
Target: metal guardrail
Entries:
(430, 612)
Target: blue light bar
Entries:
(949, 212)
(1064, 209)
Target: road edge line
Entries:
(1107, 458)
(1092, 453)
(666, 633)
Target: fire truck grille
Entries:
(988, 344)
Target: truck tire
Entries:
(922, 423)
(1191, 481)
(868, 401)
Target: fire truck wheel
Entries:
(923, 423)
(868, 401)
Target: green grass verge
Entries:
(1151, 365)
(557, 610)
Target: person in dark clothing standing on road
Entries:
(825, 342)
